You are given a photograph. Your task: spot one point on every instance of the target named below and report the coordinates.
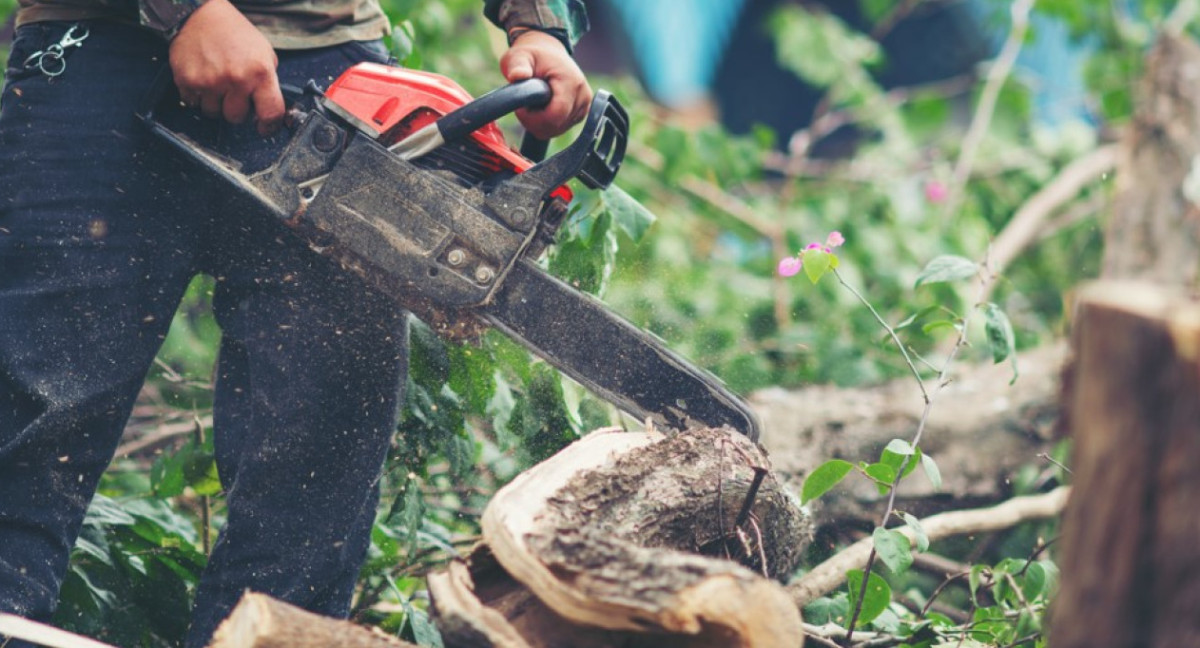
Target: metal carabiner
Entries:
(74, 36)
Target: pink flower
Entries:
(789, 266)
(936, 192)
(835, 240)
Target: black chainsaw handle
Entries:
(528, 93)
(596, 154)
(470, 117)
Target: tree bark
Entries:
(633, 539)
(1129, 550)
(1154, 232)
(260, 621)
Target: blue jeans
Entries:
(101, 230)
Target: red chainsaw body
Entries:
(396, 102)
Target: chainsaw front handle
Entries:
(528, 93)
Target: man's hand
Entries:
(226, 67)
(540, 55)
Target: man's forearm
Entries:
(566, 20)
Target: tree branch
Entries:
(829, 575)
(1027, 222)
(982, 119)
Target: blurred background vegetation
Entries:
(811, 118)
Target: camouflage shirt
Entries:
(302, 24)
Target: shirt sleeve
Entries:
(166, 17)
(566, 20)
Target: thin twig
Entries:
(891, 333)
(940, 588)
(982, 119)
(205, 500)
(1012, 582)
(1043, 455)
(160, 434)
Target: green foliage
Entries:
(132, 574)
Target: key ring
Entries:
(51, 61)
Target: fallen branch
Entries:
(1026, 225)
(15, 627)
(830, 575)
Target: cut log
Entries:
(260, 621)
(623, 534)
(1129, 555)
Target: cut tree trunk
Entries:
(1129, 551)
(260, 621)
(1154, 232)
(633, 539)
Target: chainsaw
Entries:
(406, 180)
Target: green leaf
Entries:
(893, 549)
(166, 474)
(816, 264)
(825, 477)
(908, 321)
(896, 460)
(932, 471)
(874, 601)
(975, 579)
(883, 474)
(1000, 336)
(1050, 570)
(930, 327)
(828, 610)
(913, 523)
(104, 511)
(900, 447)
(424, 632)
(947, 267)
(628, 214)
(1033, 585)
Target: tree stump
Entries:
(633, 539)
(1130, 554)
